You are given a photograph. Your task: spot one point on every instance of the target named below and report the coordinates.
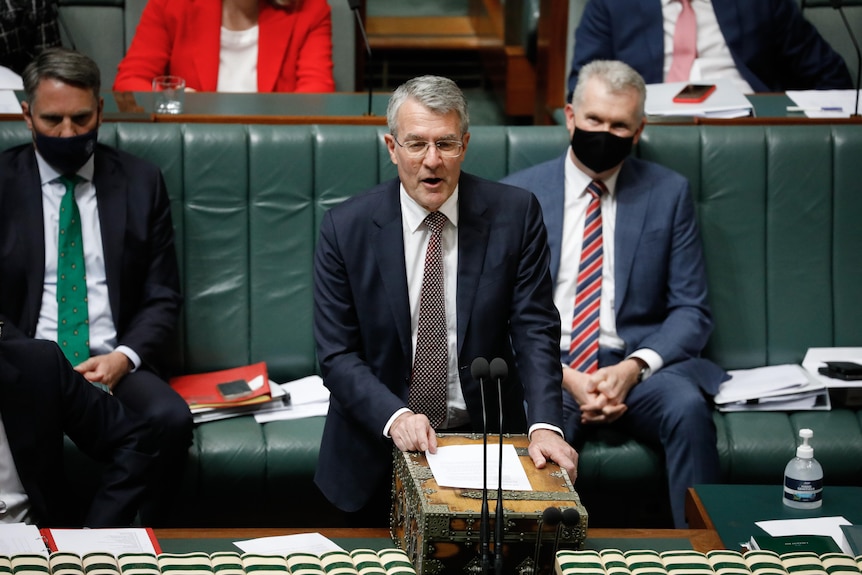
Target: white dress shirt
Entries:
(713, 56)
(574, 215)
(11, 490)
(103, 333)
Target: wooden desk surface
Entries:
(698, 539)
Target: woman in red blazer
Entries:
(184, 38)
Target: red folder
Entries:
(202, 389)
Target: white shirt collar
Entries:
(48, 174)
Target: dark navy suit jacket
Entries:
(504, 305)
(774, 47)
(41, 399)
(659, 274)
(137, 238)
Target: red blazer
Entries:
(182, 38)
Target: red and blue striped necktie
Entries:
(584, 348)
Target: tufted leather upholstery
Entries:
(779, 208)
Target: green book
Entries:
(853, 533)
(819, 544)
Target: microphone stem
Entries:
(499, 519)
(368, 70)
(485, 531)
(858, 58)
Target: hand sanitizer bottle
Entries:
(803, 477)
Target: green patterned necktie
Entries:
(73, 326)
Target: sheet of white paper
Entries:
(306, 390)
(816, 357)
(726, 102)
(9, 103)
(9, 80)
(287, 544)
(761, 382)
(461, 466)
(817, 99)
(114, 541)
(18, 538)
(830, 526)
(308, 398)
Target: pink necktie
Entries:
(431, 361)
(584, 348)
(684, 44)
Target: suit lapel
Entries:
(632, 198)
(388, 246)
(30, 195)
(206, 21)
(654, 37)
(112, 201)
(275, 31)
(473, 234)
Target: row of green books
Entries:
(358, 562)
(719, 562)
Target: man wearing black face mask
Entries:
(629, 279)
(87, 253)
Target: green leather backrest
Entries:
(779, 208)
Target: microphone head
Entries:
(836, 4)
(571, 517)
(552, 516)
(479, 369)
(354, 4)
(499, 369)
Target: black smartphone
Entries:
(694, 93)
(846, 370)
(235, 389)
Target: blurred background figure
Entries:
(26, 28)
(232, 46)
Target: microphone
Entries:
(480, 370)
(839, 5)
(571, 518)
(552, 516)
(369, 74)
(499, 373)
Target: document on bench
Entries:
(287, 544)
(772, 388)
(455, 466)
(823, 103)
(726, 102)
(19, 538)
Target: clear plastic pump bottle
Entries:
(803, 477)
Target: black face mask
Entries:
(601, 150)
(66, 155)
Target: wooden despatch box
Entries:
(439, 527)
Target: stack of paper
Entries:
(308, 398)
(772, 388)
(816, 357)
(726, 102)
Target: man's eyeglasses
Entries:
(418, 148)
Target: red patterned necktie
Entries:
(584, 348)
(684, 44)
(431, 361)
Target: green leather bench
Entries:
(779, 209)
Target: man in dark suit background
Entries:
(765, 45)
(498, 302)
(41, 399)
(131, 275)
(652, 311)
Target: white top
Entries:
(237, 63)
(103, 332)
(713, 56)
(577, 200)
